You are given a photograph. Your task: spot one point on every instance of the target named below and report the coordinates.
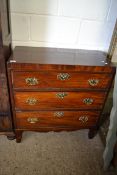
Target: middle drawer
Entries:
(58, 100)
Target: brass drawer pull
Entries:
(31, 81)
(33, 120)
(61, 95)
(88, 101)
(59, 114)
(83, 119)
(63, 76)
(31, 101)
(93, 82)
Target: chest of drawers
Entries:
(58, 89)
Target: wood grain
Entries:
(49, 119)
(47, 100)
(34, 105)
(50, 80)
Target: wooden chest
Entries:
(6, 127)
(58, 89)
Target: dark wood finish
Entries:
(53, 67)
(50, 119)
(18, 136)
(48, 80)
(55, 56)
(12, 137)
(35, 102)
(47, 100)
(5, 51)
(92, 132)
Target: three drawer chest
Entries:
(54, 89)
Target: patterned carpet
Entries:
(64, 153)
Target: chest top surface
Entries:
(58, 56)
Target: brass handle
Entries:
(88, 101)
(61, 95)
(93, 82)
(31, 81)
(33, 120)
(59, 114)
(63, 76)
(31, 101)
(83, 119)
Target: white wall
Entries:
(86, 24)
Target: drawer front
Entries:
(35, 80)
(56, 118)
(62, 100)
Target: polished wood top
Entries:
(58, 56)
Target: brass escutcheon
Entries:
(88, 101)
(63, 76)
(83, 119)
(33, 120)
(93, 82)
(31, 101)
(31, 81)
(61, 95)
(59, 114)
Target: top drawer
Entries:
(33, 80)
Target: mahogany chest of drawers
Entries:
(58, 89)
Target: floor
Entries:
(63, 153)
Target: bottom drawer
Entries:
(33, 120)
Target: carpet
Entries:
(52, 153)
